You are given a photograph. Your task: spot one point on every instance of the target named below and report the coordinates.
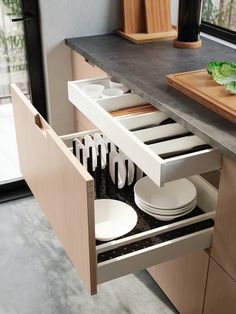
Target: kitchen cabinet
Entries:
(220, 291)
(183, 280)
(223, 247)
(73, 221)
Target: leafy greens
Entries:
(223, 73)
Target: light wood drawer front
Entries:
(160, 170)
(61, 185)
(220, 291)
(64, 190)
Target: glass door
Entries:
(20, 63)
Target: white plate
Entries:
(131, 169)
(107, 141)
(165, 212)
(88, 142)
(175, 194)
(139, 173)
(78, 146)
(113, 158)
(165, 217)
(176, 209)
(113, 219)
(98, 140)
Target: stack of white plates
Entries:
(175, 199)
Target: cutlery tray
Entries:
(157, 159)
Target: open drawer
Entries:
(65, 192)
(178, 155)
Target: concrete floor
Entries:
(36, 277)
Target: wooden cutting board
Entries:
(200, 86)
(134, 17)
(158, 16)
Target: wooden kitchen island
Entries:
(204, 282)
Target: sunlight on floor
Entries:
(9, 163)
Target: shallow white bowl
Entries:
(164, 217)
(112, 92)
(113, 219)
(175, 194)
(93, 90)
(119, 85)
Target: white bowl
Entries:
(112, 92)
(114, 84)
(113, 219)
(93, 90)
(172, 195)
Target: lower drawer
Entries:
(65, 191)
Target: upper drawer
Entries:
(173, 154)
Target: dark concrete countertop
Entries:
(143, 68)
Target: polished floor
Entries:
(36, 277)
(9, 163)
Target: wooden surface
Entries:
(224, 236)
(158, 18)
(220, 293)
(183, 280)
(61, 185)
(190, 45)
(147, 108)
(134, 18)
(200, 86)
(142, 38)
(83, 70)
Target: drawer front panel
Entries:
(61, 185)
(158, 169)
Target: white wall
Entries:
(60, 20)
(174, 11)
(72, 18)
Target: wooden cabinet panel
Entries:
(183, 280)
(221, 291)
(63, 188)
(81, 69)
(224, 236)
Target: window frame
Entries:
(218, 31)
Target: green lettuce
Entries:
(223, 73)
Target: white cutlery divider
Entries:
(159, 169)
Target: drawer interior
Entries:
(162, 148)
(151, 237)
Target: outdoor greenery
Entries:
(13, 7)
(12, 41)
(13, 65)
(220, 12)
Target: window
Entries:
(219, 18)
